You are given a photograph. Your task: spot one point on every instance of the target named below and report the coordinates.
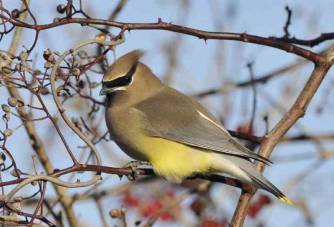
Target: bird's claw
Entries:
(136, 164)
(133, 165)
(134, 175)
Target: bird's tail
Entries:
(261, 182)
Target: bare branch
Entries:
(274, 136)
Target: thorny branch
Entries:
(297, 111)
(72, 68)
(160, 25)
(29, 126)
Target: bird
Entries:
(180, 138)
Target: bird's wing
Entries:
(174, 116)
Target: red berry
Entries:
(130, 200)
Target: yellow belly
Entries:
(174, 161)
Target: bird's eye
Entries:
(128, 79)
(121, 81)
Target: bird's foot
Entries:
(133, 165)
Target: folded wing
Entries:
(174, 116)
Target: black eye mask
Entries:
(121, 81)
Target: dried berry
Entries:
(73, 52)
(23, 66)
(82, 54)
(44, 91)
(2, 157)
(18, 199)
(46, 54)
(96, 108)
(100, 37)
(6, 70)
(15, 173)
(61, 8)
(56, 171)
(63, 88)
(4, 56)
(81, 84)
(12, 102)
(75, 120)
(48, 65)
(23, 56)
(76, 72)
(37, 72)
(114, 213)
(5, 108)
(6, 117)
(20, 102)
(16, 13)
(123, 210)
(8, 132)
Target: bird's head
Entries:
(129, 75)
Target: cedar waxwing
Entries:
(153, 122)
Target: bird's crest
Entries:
(123, 64)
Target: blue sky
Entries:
(198, 70)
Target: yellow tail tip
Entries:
(286, 200)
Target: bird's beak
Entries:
(103, 91)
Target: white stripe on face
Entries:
(120, 89)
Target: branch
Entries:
(288, 22)
(120, 6)
(308, 137)
(312, 42)
(36, 142)
(260, 79)
(201, 188)
(109, 170)
(59, 104)
(245, 136)
(297, 111)
(160, 25)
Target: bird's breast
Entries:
(124, 126)
(172, 160)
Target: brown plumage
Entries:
(153, 122)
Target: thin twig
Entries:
(270, 140)
(204, 186)
(259, 79)
(36, 142)
(251, 74)
(288, 22)
(160, 25)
